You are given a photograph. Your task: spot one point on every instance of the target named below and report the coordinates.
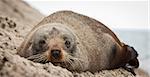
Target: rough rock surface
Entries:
(16, 19)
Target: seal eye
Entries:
(67, 43)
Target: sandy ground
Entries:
(17, 18)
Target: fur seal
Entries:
(78, 43)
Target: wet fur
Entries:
(98, 47)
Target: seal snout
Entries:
(56, 53)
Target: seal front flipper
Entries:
(25, 48)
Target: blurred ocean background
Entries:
(129, 19)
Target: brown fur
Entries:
(97, 47)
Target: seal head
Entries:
(52, 43)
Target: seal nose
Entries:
(55, 53)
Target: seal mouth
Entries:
(62, 64)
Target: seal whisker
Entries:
(37, 58)
(69, 63)
(78, 63)
(42, 59)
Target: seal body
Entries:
(78, 43)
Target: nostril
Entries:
(55, 53)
